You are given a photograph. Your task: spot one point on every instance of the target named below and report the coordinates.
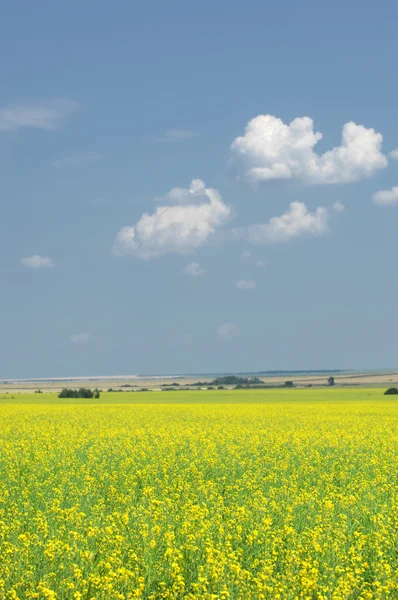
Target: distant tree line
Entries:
(235, 380)
(80, 393)
(230, 380)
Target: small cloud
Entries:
(76, 160)
(338, 207)
(245, 284)
(81, 338)
(175, 135)
(194, 269)
(246, 254)
(394, 154)
(37, 262)
(260, 264)
(227, 331)
(47, 114)
(297, 221)
(386, 197)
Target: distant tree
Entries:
(81, 393)
(391, 391)
(289, 384)
(331, 381)
(254, 380)
(85, 393)
(96, 394)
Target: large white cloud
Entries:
(271, 149)
(386, 197)
(297, 221)
(187, 223)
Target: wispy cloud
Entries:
(245, 284)
(394, 154)
(227, 331)
(47, 114)
(174, 135)
(37, 262)
(194, 269)
(76, 160)
(81, 338)
(338, 207)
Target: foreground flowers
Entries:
(276, 500)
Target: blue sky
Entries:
(265, 245)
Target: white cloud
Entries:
(338, 207)
(386, 197)
(187, 223)
(81, 338)
(260, 264)
(178, 195)
(40, 115)
(246, 254)
(194, 269)
(394, 154)
(227, 331)
(76, 160)
(295, 222)
(176, 135)
(37, 262)
(271, 149)
(245, 284)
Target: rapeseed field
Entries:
(200, 495)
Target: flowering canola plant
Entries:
(291, 498)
